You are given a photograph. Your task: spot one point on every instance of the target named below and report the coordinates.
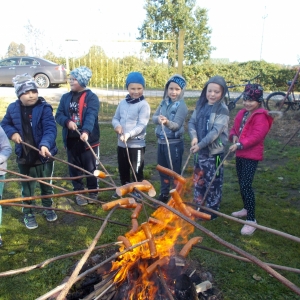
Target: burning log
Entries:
(185, 288)
(152, 248)
(144, 186)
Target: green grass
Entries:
(278, 206)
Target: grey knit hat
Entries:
(24, 83)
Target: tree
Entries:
(15, 49)
(164, 20)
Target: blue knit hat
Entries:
(82, 75)
(135, 77)
(24, 83)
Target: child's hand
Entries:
(84, 136)
(72, 125)
(235, 139)
(195, 148)
(16, 138)
(233, 148)
(44, 151)
(124, 137)
(194, 142)
(163, 120)
(119, 129)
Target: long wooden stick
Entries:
(279, 267)
(186, 163)
(168, 145)
(57, 195)
(69, 164)
(49, 184)
(82, 275)
(263, 228)
(86, 255)
(97, 158)
(65, 211)
(50, 260)
(44, 178)
(234, 248)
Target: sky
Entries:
(241, 30)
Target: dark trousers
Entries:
(136, 156)
(176, 151)
(28, 187)
(245, 169)
(78, 155)
(204, 171)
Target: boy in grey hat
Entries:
(30, 119)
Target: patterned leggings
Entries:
(245, 169)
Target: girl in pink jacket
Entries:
(249, 130)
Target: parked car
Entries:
(46, 73)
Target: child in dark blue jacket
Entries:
(78, 111)
(30, 119)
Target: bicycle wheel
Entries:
(274, 100)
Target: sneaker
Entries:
(50, 215)
(247, 229)
(93, 196)
(240, 213)
(163, 198)
(80, 201)
(30, 222)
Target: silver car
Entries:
(46, 73)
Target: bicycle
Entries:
(232, 103)
(279, 100)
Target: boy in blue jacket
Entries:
(78, 111)
(30, 119)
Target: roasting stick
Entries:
(207, 190)
(82, 275)
(162, 279)
(234, 248)
(46, 183)
(44, 178)
(131, 166)
(69, 164)
(186, 163)
(86, 255)
(97, 158)
(168, 145)
(50, 260)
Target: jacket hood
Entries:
(215, 79)
(180, 81)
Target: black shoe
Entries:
(163, 198)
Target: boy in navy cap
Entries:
(130, 123)
(78, 110)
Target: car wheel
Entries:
(42, 80)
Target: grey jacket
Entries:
(5, 150)
(216, 136)
(134, 119)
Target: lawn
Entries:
(278, 206)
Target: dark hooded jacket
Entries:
(215, 134)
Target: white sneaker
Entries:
(240, 213)
(247, 229)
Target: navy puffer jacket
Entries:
(43, 125)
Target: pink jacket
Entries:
(253, 134)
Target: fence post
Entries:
(180, 50)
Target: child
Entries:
(30, 119)
(5, 152)
(250, 128)
(169, 117)
(208, 129)
(130, 123)
(78, 110)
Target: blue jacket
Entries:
(43, 126)
(89, 116)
